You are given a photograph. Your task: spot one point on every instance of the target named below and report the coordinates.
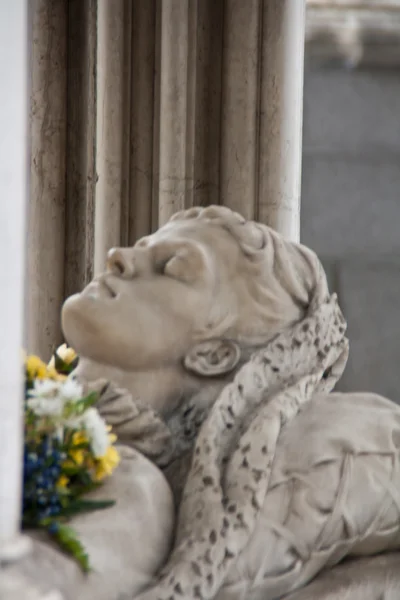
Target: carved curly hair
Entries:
(282, 278)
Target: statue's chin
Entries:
(75, 326)
(88, 329)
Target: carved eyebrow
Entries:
(165, 250)
(162, 253)
(142, 242)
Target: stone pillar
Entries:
(13, 194)
(187, 106)
(232, 134)
(114, 30)
(281, 115)
(207, 111)
(46, 215)
(144, 125)
(174, 91)
(239, 112)
(81, 144)
(140, 109)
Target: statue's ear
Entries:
(212, 358)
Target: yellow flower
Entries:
(68, 355)
(62, 481)
(106, 464)
(79, 437)
(52, 374)
(112, 438)
(35, 367)
(78, 455)
(100, 467)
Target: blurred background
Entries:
(350, 212)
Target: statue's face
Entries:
(157, 299)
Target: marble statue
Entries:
(215, 345)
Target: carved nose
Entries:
(120, 262)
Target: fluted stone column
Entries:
(81, 173)
(240, 105)
(114, 30)
(281, 115)
(62, 162)
(258, 126)
(140, 109)
(46, 215)
(188, 109)
(143, 118)
(174, 91)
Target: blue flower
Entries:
(54, 471)
(53, 528)
(54, 499)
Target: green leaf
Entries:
(74, 364)
(71, 471)
(86, 505)
(85, 489)
(82, 479)
(63, 367)
(87, 402)
(59, 363)
(68, 541)
(80, 406)
(78, 506)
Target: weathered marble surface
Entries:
(220, 337)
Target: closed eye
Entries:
(178, 268)
(183, 264)
(161, 265)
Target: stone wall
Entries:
(351, 210)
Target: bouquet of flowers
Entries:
(68, 450)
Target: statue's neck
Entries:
(162, 388)
(165, 388)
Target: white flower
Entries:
(48, 397)
(71, 390)
(96, 429)
(67, 354)
(46, 407)
(45, 388)
(44, 398)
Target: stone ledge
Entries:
(353, 34)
